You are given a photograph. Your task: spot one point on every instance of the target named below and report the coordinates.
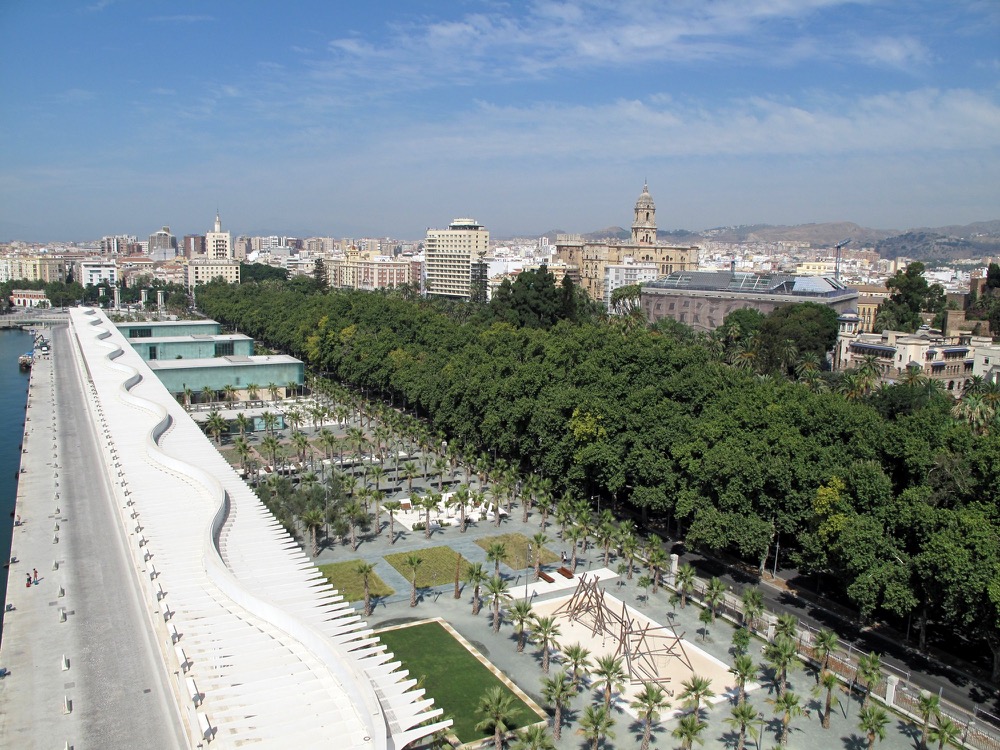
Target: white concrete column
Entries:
(674, 565)
(890, 689)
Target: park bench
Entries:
(565, 572)
(546, 577)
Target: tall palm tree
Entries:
(609, 676)
(520, 615)
(873, 721)
(657, 560)
(410, 472)
(215, 425)
(945, 733)
(753, 606)
(824, 646)
(557, 692)
(539, 541)
(869, 672)
(535, 737)
(243, 423)
(270, 445)
(743, 670)
(313, 520)
(685, 582)
(787, 706)
(606, 537)
(781, 654)
(495, 553)
(741, 718)
(787, 626)
(365, 570)
(272, 389)
(596, 723)
(498, 709)
(689, 730)
(497, 592)
(828, 683)
(545, 634)
(253, 390)
(574, 535)
(428, 502)
(413, 562)
(715, 595)
(577, 658)
(696, 690)
(929, 707)
(392, 507)
(476, 577)
(648, 704)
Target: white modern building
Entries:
(448, 257)
(97, 271)
(202, 271)
(218, 244)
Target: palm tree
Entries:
(656, 560)
(781, 654)
(302, 445)
(270, 420)
(873, 721)
(743, 670)
(243, 423)
(207, 394)
(648, 704)
(539, 540)
(545, 634)
(413, 562)
(440, 466)
(377, 472)
(428, 502)
(520, 614)
(313, 520)
(824, 645)
(364, 570)
(410, 472)
(392, 507)
(497, 707)
(609, 676)
(188, 396)
(577, 658)
(787, 626)
(929, 707)
(272, 389)
(869, 672)
(787, 705)
(294, 418)
(216, 425)
(253, 390)
(596, 723)
(697, 689)
(828, 682)
(497, 593)
(557, 692)
(685, 582)
(945, 733)
(741, 717)
(715, 594)
(271, 445)
(688, 730)
(242, 448)
(753, 606)
(476, 576)
(495, 553)
(535, 737)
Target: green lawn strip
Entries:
(517, 550)
(451, 675)
(437, 568)
(343, 577)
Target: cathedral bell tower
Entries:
(644, 226)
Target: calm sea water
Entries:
(13, 397)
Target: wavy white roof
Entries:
(273, 654)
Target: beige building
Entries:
(590, 259)
(202, 271)
(357, 270)
(32, 268)
(219, 244)
(449, 254)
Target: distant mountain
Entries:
(819, 235)
(934, 246)
(608, 233)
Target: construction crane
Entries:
(838, 247)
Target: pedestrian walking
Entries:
(28, 584)
(34, 572)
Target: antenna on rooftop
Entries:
(838, 247)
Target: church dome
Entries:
(645, 200)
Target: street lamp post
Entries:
(527, 573)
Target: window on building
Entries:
(152, 352)
(140, 333)
(224, 349)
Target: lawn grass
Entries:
(452, 676)
(342, 576)
(517, 550)
(437, 569)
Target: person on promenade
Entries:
(28, 584)
(34, 572)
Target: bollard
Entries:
(65, 663)
(62, 591)
(55, 539)
(55, 565)
(57, 510)
(62, 615)
(56, 528)
(67, 705)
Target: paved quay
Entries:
(83, 670)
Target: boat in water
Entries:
(26, 360)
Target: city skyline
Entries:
(389, 119)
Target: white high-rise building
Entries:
(449, 254)
(218, 244)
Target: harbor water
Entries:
(14, 387)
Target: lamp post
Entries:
(760, 735)
(527, 572)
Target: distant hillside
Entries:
(818, 235)
(933, 246)
(608, 233)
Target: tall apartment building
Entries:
(448, 257)
(205, 270)
(32, 268)
(218, 244)
(194, 245)
(588, 261)
(119, 244)
(162, 245)
(358, 270)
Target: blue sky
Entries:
(383, 118)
